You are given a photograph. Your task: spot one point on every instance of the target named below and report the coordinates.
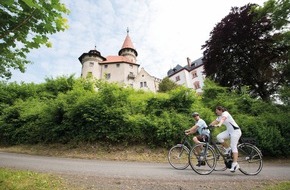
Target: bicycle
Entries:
(178, 154)
(206, 157)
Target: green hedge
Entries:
(66, 110)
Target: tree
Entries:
(25, 25)
(166, 85)
(243, 51)
(278, 12)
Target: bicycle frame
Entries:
(186, 141)
(228, 159)
(211, 157)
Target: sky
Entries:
(163, 32)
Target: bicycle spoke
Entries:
(178, 157)
(202, 160)
(250, 159)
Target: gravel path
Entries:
(100, 174)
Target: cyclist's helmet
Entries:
(194, 114)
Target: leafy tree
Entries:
(166, 85)
(279, 12)
(243, 51)
(25, 25)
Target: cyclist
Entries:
(200, 127)
(233, 132)
(203, 133)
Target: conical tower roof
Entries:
(128, 44)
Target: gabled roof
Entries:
(192, 66)
(174, 70)
(117, 59)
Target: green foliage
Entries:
(68, 110)
(166, 85)
(26, 25)
(245, 49)
(15, 180)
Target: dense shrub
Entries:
(66, 110)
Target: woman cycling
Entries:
(233, 132)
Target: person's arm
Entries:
(215, 122)
(191, 130)
(218, 124)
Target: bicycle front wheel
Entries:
(202, 159)
(250, 159)
(178, 157)
(220, 161)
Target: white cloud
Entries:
(163, 32)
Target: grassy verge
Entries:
(285, 185)
(26, 180)
(95, 151)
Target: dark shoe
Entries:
(200, 163)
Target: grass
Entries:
(93, 151)
(26, 180)
(284, 185)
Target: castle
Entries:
(122, 68)
(191, 76)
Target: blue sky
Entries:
(164, 32)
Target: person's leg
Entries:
(234, 142)
(198, 139)
(221, 139)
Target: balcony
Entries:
(131, 76)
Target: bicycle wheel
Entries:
(250, 159)
(202, 158)
(220, 162)
(178, 157)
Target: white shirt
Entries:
(202, 127)
(229, 122)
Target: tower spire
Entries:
(127, 30)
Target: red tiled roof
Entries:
(114, 59)
(128, 43)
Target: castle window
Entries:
(145, 84)
(131, 65)
(89, 75)
(141, 84)
(118, 65)
(177, 78)
(91, 64)
(196, 85)
(106, 66)
(108, 76)
(194, 74)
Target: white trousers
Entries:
(234, 136)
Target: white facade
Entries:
(144, 81)
(122, 69)
(191, 76)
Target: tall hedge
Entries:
(66, 109)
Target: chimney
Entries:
(188, 62)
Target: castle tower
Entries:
(90, 64)
(128, 49)
(122, 68)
